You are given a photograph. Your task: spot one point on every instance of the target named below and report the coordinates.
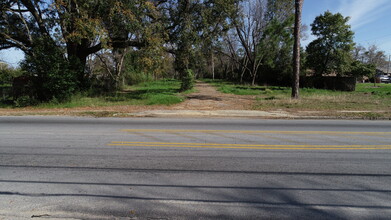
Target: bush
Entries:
(51, 74)
(24, 101)
(135, 77)
(7, 74)
(187, 80)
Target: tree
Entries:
(8, 73)
(249, 28)
(367, 60)
(276, 67)
(296, 50)
(191, 23)
(261, 39)
(331, 51)
(51, 75)
(357, 53)
(360, 69)
(78, 28)
(375, 57)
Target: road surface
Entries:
(150, 168)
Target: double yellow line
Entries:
(251, 146)
(255, 132)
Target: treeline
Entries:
(83, 45)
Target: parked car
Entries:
(383, 78)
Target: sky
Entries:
(369, 19)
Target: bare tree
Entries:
(112, 64)
(376, 57)
(296, 49)
(371, 55)
(250, 29)
(261, 30)
(358, 53)
(238, 59)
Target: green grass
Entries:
(365, 98)
(161, 92)
(380, 90)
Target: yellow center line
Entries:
(253, 131)
(252, 146)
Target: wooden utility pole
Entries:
(296, 50)
(213, 64)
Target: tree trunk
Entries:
(253, 81)
(254, 72)
(296, 50)
(78, 62)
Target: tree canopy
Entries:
(331, 51)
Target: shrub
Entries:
(24, 101)
(187, 80)
(51, 74)
(7, 74)
(134, 77)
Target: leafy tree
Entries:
(360, 69)
(78, 28)
(277, 66)
(331, 51)
(192, 26)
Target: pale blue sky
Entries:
(370, 20)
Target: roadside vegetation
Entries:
(366, 97)
(160, 92)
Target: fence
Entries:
(329, 82)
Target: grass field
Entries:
(367, 97)
(161, 92)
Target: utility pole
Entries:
(213, 64)
(296, 50)
(388, 64)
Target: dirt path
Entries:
(207, 97)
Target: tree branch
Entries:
(31, 8)
(14, 42)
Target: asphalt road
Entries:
(149, 168)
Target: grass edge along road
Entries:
(373, 102)
(368, 102)
(160, 92)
